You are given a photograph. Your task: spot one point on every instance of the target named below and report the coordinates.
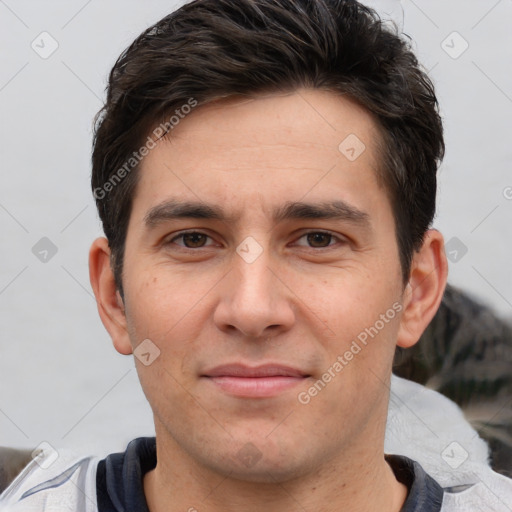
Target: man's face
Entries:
(256, 242)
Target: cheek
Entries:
(163, 302)
(348, 302)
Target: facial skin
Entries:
(301, 303)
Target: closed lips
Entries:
(242, 371)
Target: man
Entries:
(265, 171)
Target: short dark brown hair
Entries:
(211, 49)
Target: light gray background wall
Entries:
(60, 379)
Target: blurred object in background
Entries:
(12, 461)
(466, 354)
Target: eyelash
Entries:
(313, 232)
(184, 233)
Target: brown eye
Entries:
(319, 239)
(194, 240)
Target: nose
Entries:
(255, 301)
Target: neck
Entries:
(360, 481)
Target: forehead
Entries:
(282, 147)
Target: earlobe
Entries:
(110, 303)
(424, 292)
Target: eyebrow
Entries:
(172, 209)
(337, 210)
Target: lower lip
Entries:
(256, 387)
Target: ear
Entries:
(423, 293)
(108, 298)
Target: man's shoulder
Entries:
(430, 429)
(63, 481)
(486, 490)
(490, 492)
(69, 483)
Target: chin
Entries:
(268, 464)
(265, 472)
